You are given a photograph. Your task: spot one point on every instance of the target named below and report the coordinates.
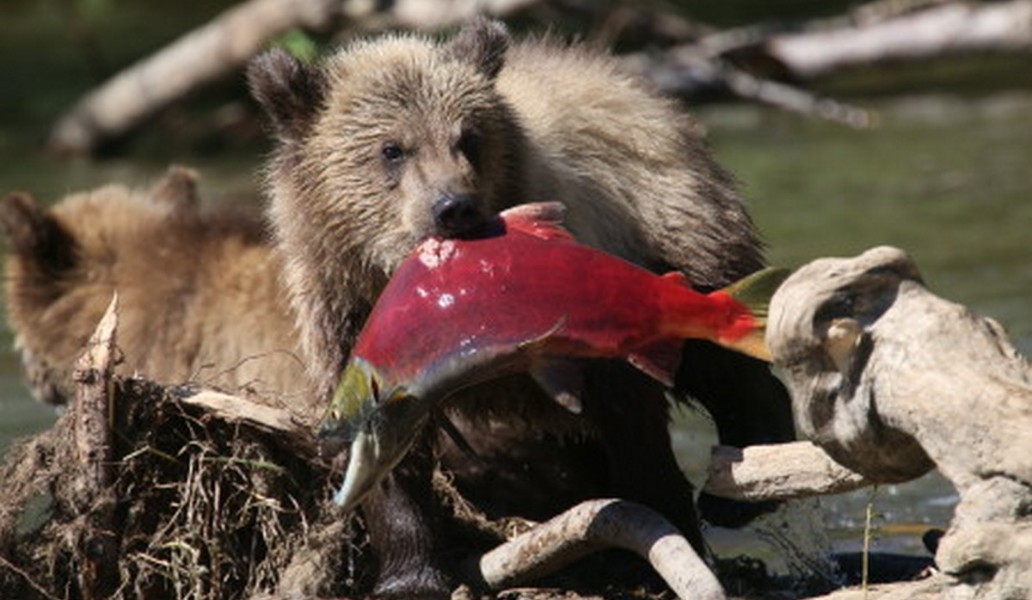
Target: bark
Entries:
(892, 381)
(92, 410)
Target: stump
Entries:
(891, 381)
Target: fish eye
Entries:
(391, 151)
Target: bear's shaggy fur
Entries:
(199, 292)
(548, 122)
(391, 140)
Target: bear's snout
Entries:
(457, 214)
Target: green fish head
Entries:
(357, 396)
(380, 424)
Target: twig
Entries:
(28, 578)
(792, 98)
(686, 70)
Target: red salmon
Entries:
(524, 297)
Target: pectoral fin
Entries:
(659, 360)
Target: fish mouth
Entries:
(383, 439)
(379, 426)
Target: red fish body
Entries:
(525, 297)
(533, 284)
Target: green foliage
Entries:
(299, 44)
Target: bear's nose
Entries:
(457, 214)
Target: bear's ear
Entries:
(176, 189)
(34, 236)
(289, 91)
(483, 42)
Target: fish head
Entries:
(378, 423)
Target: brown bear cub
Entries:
(199, 292)
(395, 139)
(201, 302)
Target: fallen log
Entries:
(939, 29)
(594, 525)
(892, 381)
(221, 47)
(777, 472)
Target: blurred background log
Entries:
(762, 63)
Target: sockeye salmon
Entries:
(524, 297)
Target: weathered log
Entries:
(892, 381)
(197, 58)
(940, 29)
(597, 524)
(777, 472)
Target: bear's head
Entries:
(388, 142)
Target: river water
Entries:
(946, 178)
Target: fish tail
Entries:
(749, 300)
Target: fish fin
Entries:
(539, 219)
(562, 380)
(751, 344)
(658, 360)
(755, 292)
(677, 277)
(531, 344)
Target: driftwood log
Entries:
(891, 381)
(222, 46)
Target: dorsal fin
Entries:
(540, 219)
(677, 277)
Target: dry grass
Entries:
(203, 509)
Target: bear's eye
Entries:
(392, 152)
(469, 146)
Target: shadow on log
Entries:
(892, 381)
